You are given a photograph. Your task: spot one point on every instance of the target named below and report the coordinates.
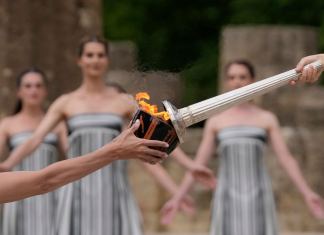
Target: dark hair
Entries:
(93, 38)
(244, 63)
(19, 80)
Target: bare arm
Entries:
(290, 165)
(131, 104)
(199, 172)
(182, 158)
(3, 135)
(52, 118)
(18, 185)
(204, 152)
(162, 177)
(63, 138)
(286, 160)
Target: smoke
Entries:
(160, 85)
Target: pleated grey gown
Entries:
(243, 201)
(102, 202)
(34, 215)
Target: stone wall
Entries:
(43, 33)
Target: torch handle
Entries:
(200, 111)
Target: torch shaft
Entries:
(200, 111)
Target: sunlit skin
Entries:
(246, 114)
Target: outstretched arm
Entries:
(290, 165)
(54, 115)
(19, 185)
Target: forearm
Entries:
(184, 187)
(21, 152)
(202, 158)
(18, 185)
(293, 170)
(63, 172)
(162, 177)
(203, 154)
(182, 158)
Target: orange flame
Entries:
(151, 109)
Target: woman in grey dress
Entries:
(23, 217)
(243, 201)
(101, 203)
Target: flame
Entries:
(141, 98)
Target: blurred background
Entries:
(176, 50)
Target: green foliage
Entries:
(183, 35)
(200, 78)
(169, 34)
(299, 12)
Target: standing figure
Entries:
(102, 202)
(243, 201)
(32, 216)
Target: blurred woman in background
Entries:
(243, 201)
(101, 203)
(23, 217)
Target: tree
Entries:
(183, 35)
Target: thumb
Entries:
(305, 61)
(135, 126)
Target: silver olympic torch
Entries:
(187, 116)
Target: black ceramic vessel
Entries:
(155, 128)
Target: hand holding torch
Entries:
(173, 132)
